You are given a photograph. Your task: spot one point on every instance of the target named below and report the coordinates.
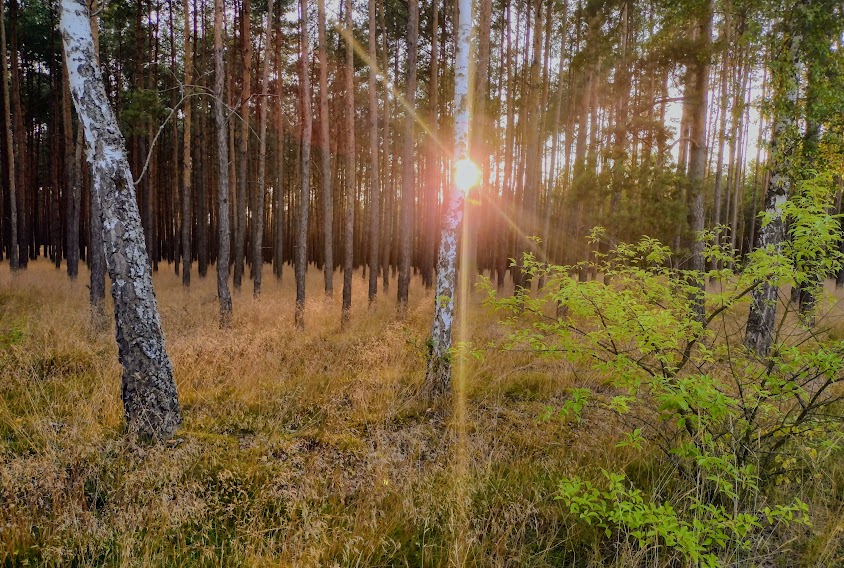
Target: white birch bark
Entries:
(148, 391)
(438, 375)
(759, 334)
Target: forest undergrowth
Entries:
(308, 448)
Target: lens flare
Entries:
(466, 175)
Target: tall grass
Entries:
(297, 448)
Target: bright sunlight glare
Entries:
(466, 175)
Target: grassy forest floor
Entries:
(297, 448)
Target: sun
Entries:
(466, 175)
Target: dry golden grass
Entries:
(297, 448)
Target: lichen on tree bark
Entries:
(148, 390)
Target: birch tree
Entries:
(438, 372)
(149, 393)
(759, 333)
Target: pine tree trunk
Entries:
(187, 168)
(349, 178)
(374, 180)
(148, 391)
(305, 190)
(243, 146)
(10, 146)
(697, 95)
(223, 228)
(325, 157)
(258, 238)
(408, 160)
(433, 162)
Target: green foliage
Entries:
(726, 424)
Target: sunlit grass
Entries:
(297, 449)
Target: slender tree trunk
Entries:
(433, 160)
(374, 181)
(438, 373)
(349, 177)
(325, 157)
(187, 168)
(697, 95)
(759, 334)
(11, 168)
(223, 228)
(305, 194)
(243, 145)
(19, 147)
(408, 161)
(278, 190)
(258, 238)
(148, 391)
(73, 193)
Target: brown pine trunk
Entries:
(11, 156)
(325, 158)
(374, 180)
(305, 192)
(187, 167)
(223, 229)
(243, 146)
(408, 161)
(258, 235)
(349, 174)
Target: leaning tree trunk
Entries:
(148, 391)
(223, 229)
(759, 334)
(438, 373)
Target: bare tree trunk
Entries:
(697, 159)
(374, 181)
(438, 373)
(10, 146)
(278, 190)
(433, 161)
(148, 391)
(258, 238)
(325, 157)
(759, 334)
(408, 162)
(349, 178)
(243, 146)
(73, 193)
(305, 194)
(187, 171)
(223, 228)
